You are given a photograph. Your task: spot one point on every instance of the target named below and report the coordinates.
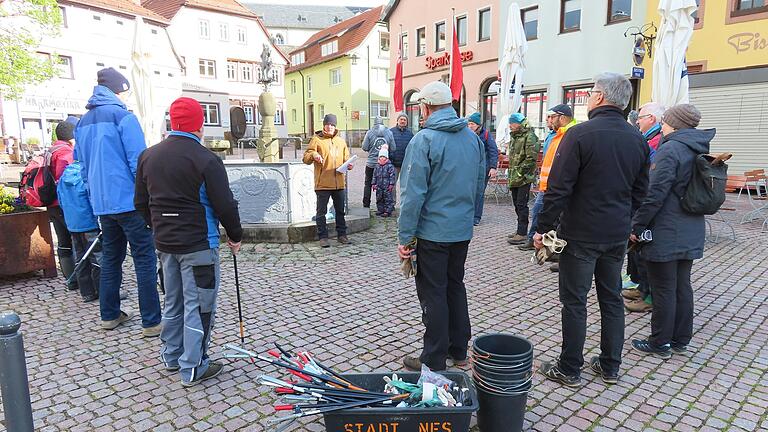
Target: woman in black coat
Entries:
(678, 237)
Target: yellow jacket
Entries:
(334, 152)
(549, 157)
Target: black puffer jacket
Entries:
(677, 235)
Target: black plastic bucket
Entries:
(500, 413)
(502, 369)
(501, 377)
(502, 348)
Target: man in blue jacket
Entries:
(442, 179)
(109, 142)
(491, 157)
(403, 135)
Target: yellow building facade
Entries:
(728, 73)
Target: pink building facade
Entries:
(425, 29)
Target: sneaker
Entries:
(639, 306)
(554, 268)
(324, 243)
(153, 331)
(172, 368)
(663, 352)
(517, 239)
(527, 246)
(344, 239)
(214, 369)
(412, 363)
(632, 294)
(597, 368)
(112, 324)
(553, 373)
(625, 277)
(90, 298)
(629, 285)
(476, 223)
(679, 348)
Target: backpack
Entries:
(706, 189)
(38, 186)
(73, 199)
(378, 142)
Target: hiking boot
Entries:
(679, 348)
(517, 239)
(412, 363)
(458, 362)
(553, 373)
(112, 324)
(553, 258)
(214, 369)
(632, 294)
(554, 268)
(663, 352)
(324, 243)
(637, 306)
(594, 364)
(527, 246)
(344, 239)
(89, 298)
(153, 331)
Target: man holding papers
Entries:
(327, 151)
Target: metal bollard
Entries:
(14, 385)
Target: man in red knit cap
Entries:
(182, 190)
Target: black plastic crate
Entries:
(437, 419)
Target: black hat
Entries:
(113, 80)
(65, 131)
(329, 119)
(561, 109)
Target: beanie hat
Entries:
(516, 118)
(384, 151)
(474, 118)
(72, 119)
(682, 116)
(378, 121)
(401, 114)
(329, 119)
(113, 80)
(65, 131)
(186, 115)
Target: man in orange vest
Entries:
(561, 119)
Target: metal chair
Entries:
(758, 198)
(499, 185)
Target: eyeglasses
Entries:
(644, 116)
(591, 92)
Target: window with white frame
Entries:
(309, 87)
(404, 46)
(335, 76)
(380, 75)
(384, 41)
(380, 109)
(63, 16)
(484, 24)
(440, 36)
(232, 71)
(223, 31)
(64, 67)
(330, 47)
(297, 59)
(293, 86)
(207, 68)
(204, 30)
(421, 41)
(321, 110)
(248, 110)
(294, 115)
(246, 72)
(210, 114)
(242, 36)
(461, 30)
(275, 76)
(279, 115)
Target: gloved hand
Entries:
(390, 187)
(549, 245)
(374, 188)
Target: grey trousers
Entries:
(191, 284)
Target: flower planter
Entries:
(26, 244)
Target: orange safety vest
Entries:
(549, 157)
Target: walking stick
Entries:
(84, 260)
(239, 305)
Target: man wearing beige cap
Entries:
(443, 177)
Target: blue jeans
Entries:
(535, 210)
(479, 204)
(117, 231)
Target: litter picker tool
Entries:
(84, 260)
(239, 304)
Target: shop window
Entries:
(619, 10)
(412, 110)
(570, 15)
(534, 107)
(577, 98)
(530, 18)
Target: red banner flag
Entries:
(398, 93)
(457, 73)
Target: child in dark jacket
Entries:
(384, 177)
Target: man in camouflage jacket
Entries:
(522, 151)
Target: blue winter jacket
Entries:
(443, 176)
(491, 149)
(402, 139)
(73, 199)
(109, 142)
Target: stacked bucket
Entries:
(502, 368)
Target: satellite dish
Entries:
(237, 122)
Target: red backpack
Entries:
(38, 185)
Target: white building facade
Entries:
(221, 51)
(93, 36)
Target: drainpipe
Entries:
(303, 105)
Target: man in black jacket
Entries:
(599, 175)
(182, 190)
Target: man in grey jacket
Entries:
(376, 137)
(443, 177)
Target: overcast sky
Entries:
(325, 2)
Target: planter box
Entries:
(26, 244)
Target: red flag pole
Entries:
(456, 74)
(398, 86)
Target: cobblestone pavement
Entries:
(349, 305)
